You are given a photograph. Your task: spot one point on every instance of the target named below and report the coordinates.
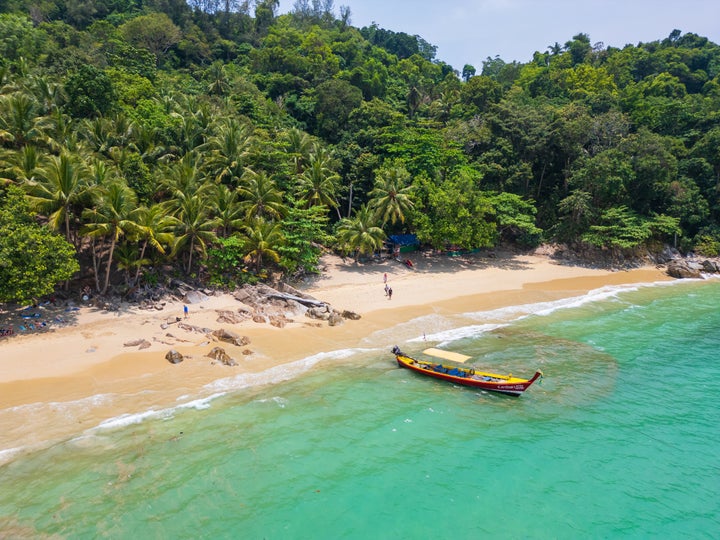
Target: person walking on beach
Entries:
(389, 293)
(185, 310)
(385, 277)
(386, 289)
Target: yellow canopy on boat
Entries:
(447, 355)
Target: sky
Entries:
(470, 31)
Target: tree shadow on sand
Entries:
(420, 262)
(17, 320)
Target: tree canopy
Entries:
(162, 136)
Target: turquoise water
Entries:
(620, 439)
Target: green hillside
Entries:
(222, 141)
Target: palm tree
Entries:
(113, 218)
(22, 166)
(183, 179)
(555, 48)
(299, 146)
(227, 150)
(261, 241)
(155, 230)
(318, 184)
(47, 93)
(360, 234)
(226, 209)
(218, 80)
(194, 228)
(19, 117)
(260, 196)
(127, 259)
(390, 198)
(61, 185)
(60, 133)
(98, 132)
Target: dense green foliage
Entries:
(32, 258)
(228, 140)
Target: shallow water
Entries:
(620, 439)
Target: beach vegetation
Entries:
(360, 234)
(33, 259)
(261, 241)
(708, 243)
(153, 140)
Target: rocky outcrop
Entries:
(193, 328)
(684, 269)
(335, 319)
(174, 357)
(232, 317)
(140, 343)
(320, 313)
(194, 297)
(229, 336)
(219, 354)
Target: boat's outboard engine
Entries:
(396, 350)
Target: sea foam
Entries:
(505, 316)
(282, 372)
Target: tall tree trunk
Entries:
(109, 265)
(192, 248)
(67, 227)
(142, 256)
(96, 266)
(350, 198)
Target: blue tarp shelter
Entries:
(403, 242)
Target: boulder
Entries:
(174, 357)
(320, 313)
(219, 354)
(682, 269)
(668, 254)
(335, 319)
(229, 317)
(231, 337)
(244, 295)
(710, 267)
(279, 321)
(193, 328)
(195, 297)
(350, 315)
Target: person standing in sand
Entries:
(385, 277)
(185, 310)
(389, 293)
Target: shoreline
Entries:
(60, 383)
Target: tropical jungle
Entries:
(223, 141)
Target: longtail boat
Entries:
(466, 376)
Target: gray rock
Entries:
(229, 317)
(231, 337)
(320, 313)
(682, 269)
(219, 354)
(195, 297)
(174, 357)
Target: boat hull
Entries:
(503, 384)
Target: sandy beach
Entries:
(77, 371)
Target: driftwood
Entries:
(298, 299)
